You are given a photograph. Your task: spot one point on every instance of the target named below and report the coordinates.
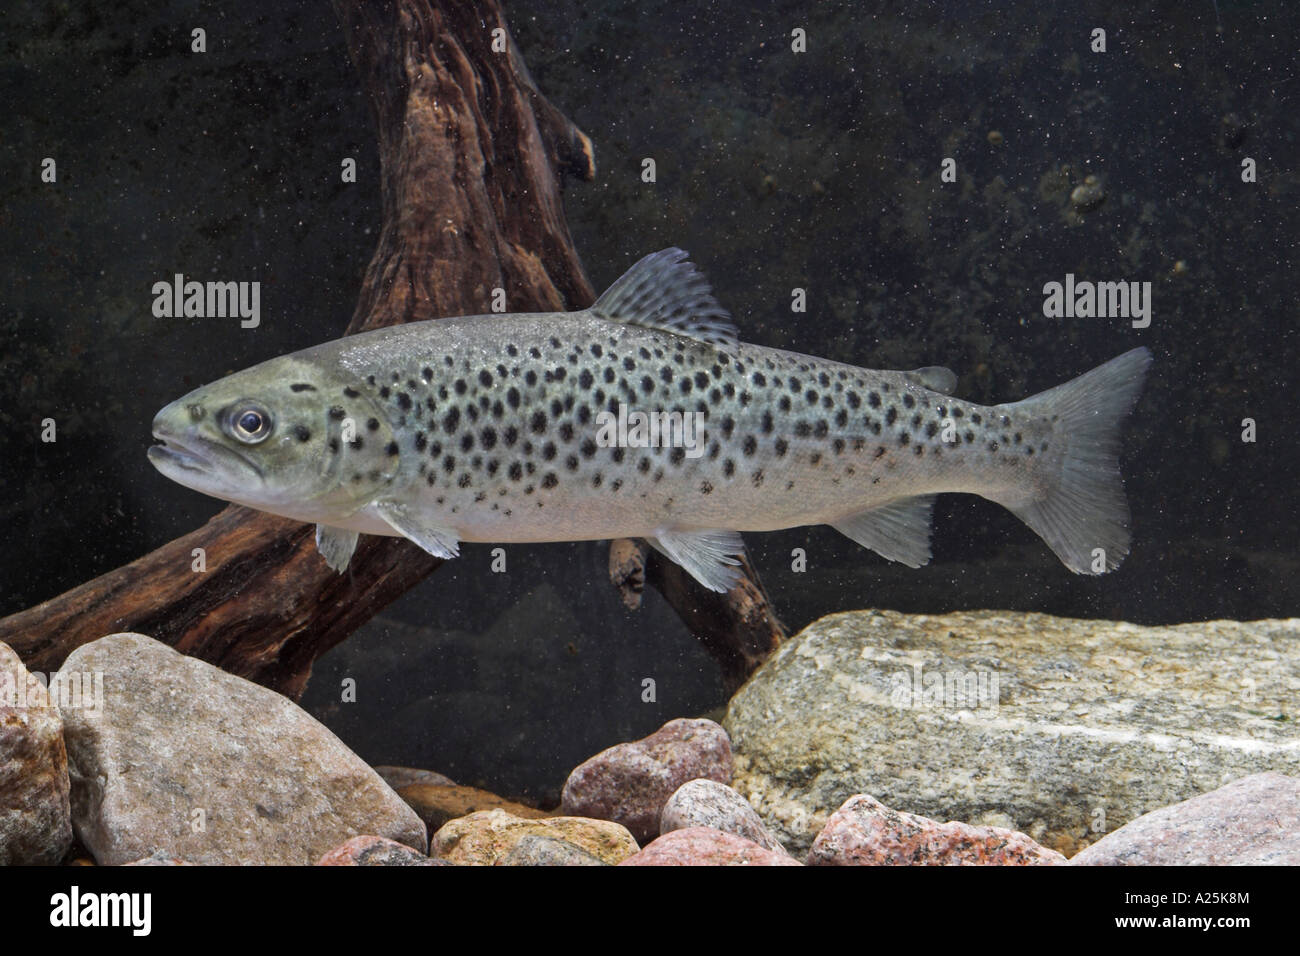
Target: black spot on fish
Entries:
(571, 462)
(759, 379)
(706, 488)
(815, 458)
(767, 423)
(588, 448)
(609, 375)
(449, 464)
(301, 433)
(334, 445)
(802, 429)
(385, 391)
(784, 404)
(781, 447)
(585, 379)
(975, 417)
(841, 418)
(677, 455)
(757, 477)
(643, 465)
(404, 401)
(537, 423)
(451, 421)
(701, 380)
(557, 408)
(357, 443)
(728, 467)
(880, 452)
(745, 398)
(351, 392)
(467, 441)
(728, 426)
(931, 430)
(461, 386)
(420, 441)
(811, 396)
(512, 397)
(302, 387)
(516, 471)
(391, 449)
(686, 386)
(891, 415)
(873, 400)
(957, 413)
(550, 480)
(337, 413)
(908, 400)
(555, 343)
(750, 445)
(903, 438)
(464, 480)
(584, 414)
(838, 445)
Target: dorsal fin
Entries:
(665, 291)
(934, 377)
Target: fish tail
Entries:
(1078, 506)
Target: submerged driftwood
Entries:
(473, 158)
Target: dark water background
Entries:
(775, 171)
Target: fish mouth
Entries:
(195, 457)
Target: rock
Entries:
(399, 777)
(208, 767)
(1092, 723)
(375, 851)
(483, 838)
(865, 832)
(704, 846)
(1254, 821)
(35, 814)
(630, 783)
(707, 803)
(438, 804)
(537, 850)
(159, 859)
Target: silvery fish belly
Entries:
(641, 417)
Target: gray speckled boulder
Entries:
(210, 768)
(1061, 729)
(630, 783)
(1254, 821)
(35, 826)
(707, 803)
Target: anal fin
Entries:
(439, 541)
(335, 545)
(710, 557)
(899, 531)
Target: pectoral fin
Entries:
(439, 541)
(899, 531)
(335, 545)
(710, 557)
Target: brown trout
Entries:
(641, 416)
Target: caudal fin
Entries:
(1080, 509)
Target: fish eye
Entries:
(250, 424)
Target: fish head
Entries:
(288, 436)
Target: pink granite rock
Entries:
(376, 851)
(630, 783)
(1252, 821)
(704, 846)
(865, 832)
(35, 813)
